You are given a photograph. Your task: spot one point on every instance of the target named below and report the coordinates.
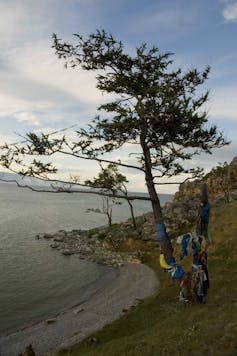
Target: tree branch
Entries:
(102, 160)
(84, 191)
(167, 183)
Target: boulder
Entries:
(67, 252)
(48, 236)
(55, 245)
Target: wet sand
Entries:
(133, 282)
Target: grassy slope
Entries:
(160, 325)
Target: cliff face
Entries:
(220, 181)
(222, 185)
(232, 173)
(189, 191)
(185, 206)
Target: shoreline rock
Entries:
(89, 245)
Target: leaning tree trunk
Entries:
(162, 236)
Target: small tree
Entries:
(155, 108)
(107, 208)
(111, 180)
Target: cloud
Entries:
(13, 16)
(33, 80)
(34, 85)
(15, 84)
(7, 139)
(168, 17)
(219, 155)
(38, 63)
(23, 110)
(230, 11)
(23, 21)
(223, 103)
(27, 117)
(46, 95)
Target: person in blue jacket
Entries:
(204, 219)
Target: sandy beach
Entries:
(133, 282)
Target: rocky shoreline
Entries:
(96, 245)
(120, 244)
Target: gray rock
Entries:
(39, 236)
(67, 252)
(59, 238)
(48, 236)
(55, 245)
(50, 321)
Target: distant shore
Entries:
(133, 282)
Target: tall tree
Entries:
(154, 108)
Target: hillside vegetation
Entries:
(161, 325)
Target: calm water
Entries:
(35, 280)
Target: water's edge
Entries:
(36, 281)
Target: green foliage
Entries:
(109, 178)
(219, 171)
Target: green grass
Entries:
(160, 325)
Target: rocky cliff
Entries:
(222, 185)
(232, 173)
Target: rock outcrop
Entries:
(97, 245)
(232, 173)
(222, 186)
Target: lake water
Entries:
(36, 281)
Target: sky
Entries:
(38, 94)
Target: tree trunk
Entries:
(108, 210)
(109, 214)
(162, 236)
(132, 214)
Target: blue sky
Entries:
(38, 94)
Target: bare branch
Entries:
(84, 191)
(167, 183)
